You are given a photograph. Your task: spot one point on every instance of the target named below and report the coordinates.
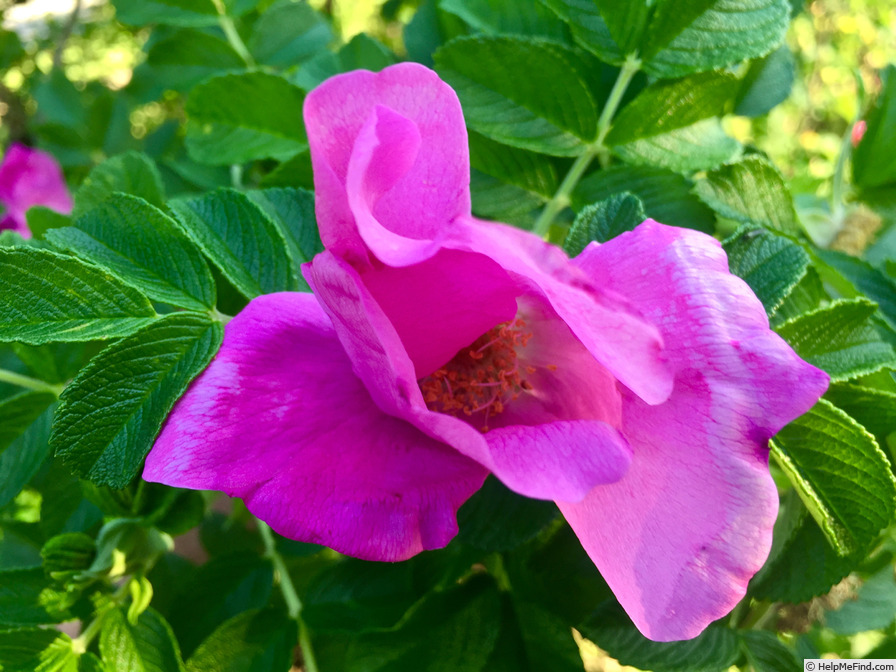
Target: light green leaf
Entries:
(24, 456)
(874, 608)
(771, 264)
(112, 411)
(288, 33)
(668, 105)
(144, 246)
(841, 338)
(550, 110)
(700, 146)
(240, 118)
(767, 653)
(132, 173)
(686, 36)
(492, 17)
(148, 646)
(589, 28)
(182, 60)
(841, 474)
(52, 297)
(173, 12)
(874, 161)
(767, 83)
(36, 650)
(253, 641)
(18, 412)
(666, 195)
(750, 191)
(604, 220)
(240, 239)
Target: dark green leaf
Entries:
(53, 363)
(666, 195)
(253, 641)
(841, 338)
(771, 264)
(36, 650)
(805, 296)
(174, 12)
(112, 411)
(141, 244)
(536, 173)
(19, 412)
(70, 552)
(700, 146)
(767, 83)
(22, 600)
(604, 220)
(551, 110)
(668, 105)
(24, 456)
(716, 648)
(874, 409)
(494, 17)
(288, 33)
(240, 239)
(52, 297)
(767, 653)
(240, 118)
(874, 161)
(502, 202)
(841, 474)
(685, 36)
(132, 173)
(589, 28)
(751, 191)
(184, 59)
(496, 519)
(869, 281)
(148, 646)
(874, 609)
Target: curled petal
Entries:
(280, 419)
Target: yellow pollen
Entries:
(482, 378)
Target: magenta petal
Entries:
(30, 177)
(432, 191)
(280, 419)
(680, 536)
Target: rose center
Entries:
(481, 379)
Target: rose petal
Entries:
(29, 177)
(280, 419)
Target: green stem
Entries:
(838, 184)
(561, 199)
(30, 383)
(218, 316)
(233, 37)
(293, 603)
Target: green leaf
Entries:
(686, 36)
(536, 173)
(867, 280)
(750, 191)
(22, 600)
(841, 474)
(767, 83)
(496, 519)
(666, 195)
(148, 646)
(24, 456)
(144, 246)
(589, 28)
(112, 411)
(604, 220)
(502, 202)
(874, 609)
(36, 650)
(52, 297)
(716, 648)
(253, 641)
(288, 33)
(874, 409)
(69, 552)
(874, 161)
(805, 296)
(132, 173)
(19, 412)
(492, 17)
(222, 588)
(173, 12)
(841, 338)
(771, 264)
(767, 653)
(240, 239)
(626, 22)
(700, 146)
(671, 104)
(240, 118)
(55, 363)
(551, 110)
(182, 60)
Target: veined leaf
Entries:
(18, 412)
(288, 33)
(173, 12)
(604, 220)
(533, 172)
(767, 83)
(492, 18)
(700, 146)
(24, 456)
(253, 641)
(184, 59)
(874, 409)
(767, 653)
(589, 28)
(132, 173)
(37, 650)
(147, 646)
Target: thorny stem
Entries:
(233, 37)
(30, 383)
(561, 199)
(293, 603)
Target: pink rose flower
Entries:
(636, 385)
(858, 132)
(30, 177)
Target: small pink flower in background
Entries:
(30, 177)
(858, 132)
(636, 385)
